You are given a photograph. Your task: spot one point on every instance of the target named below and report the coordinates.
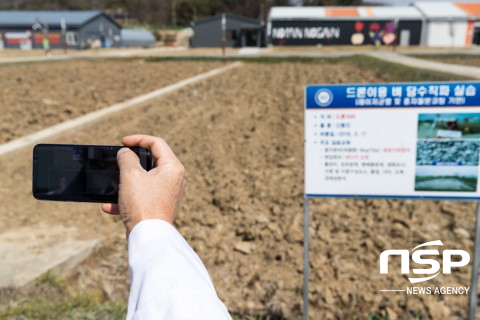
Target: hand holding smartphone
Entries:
(80, 173)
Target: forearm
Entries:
(168, 279)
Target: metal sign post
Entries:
(472, 305)
(306, 253)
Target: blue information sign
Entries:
(398, 140)
(428, 94)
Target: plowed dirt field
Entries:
(240, 137)
(36, 95)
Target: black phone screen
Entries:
(79, 172)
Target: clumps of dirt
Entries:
(240, 137)
(34, 96)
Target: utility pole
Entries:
(194, 10)
(63, 25)
(262, 10)
(174, 13)
(224, 33)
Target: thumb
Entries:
(127, 160)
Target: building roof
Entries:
(402, 12)
(229, 16)
(344, 13)
(449, 10)
(53, 18)
(470, 8)
(137, 37)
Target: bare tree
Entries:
(149, 11)
(166, 12)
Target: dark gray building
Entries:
(73, 29)
(240, 32)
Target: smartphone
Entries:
(81, 173)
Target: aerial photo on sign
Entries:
(447, 152)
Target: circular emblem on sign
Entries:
(323, 97)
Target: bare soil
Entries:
(240, 137)
(37, 95)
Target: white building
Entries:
(449, 24)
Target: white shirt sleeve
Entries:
(167, 278)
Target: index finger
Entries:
(161, 151)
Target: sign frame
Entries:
(321, 101)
